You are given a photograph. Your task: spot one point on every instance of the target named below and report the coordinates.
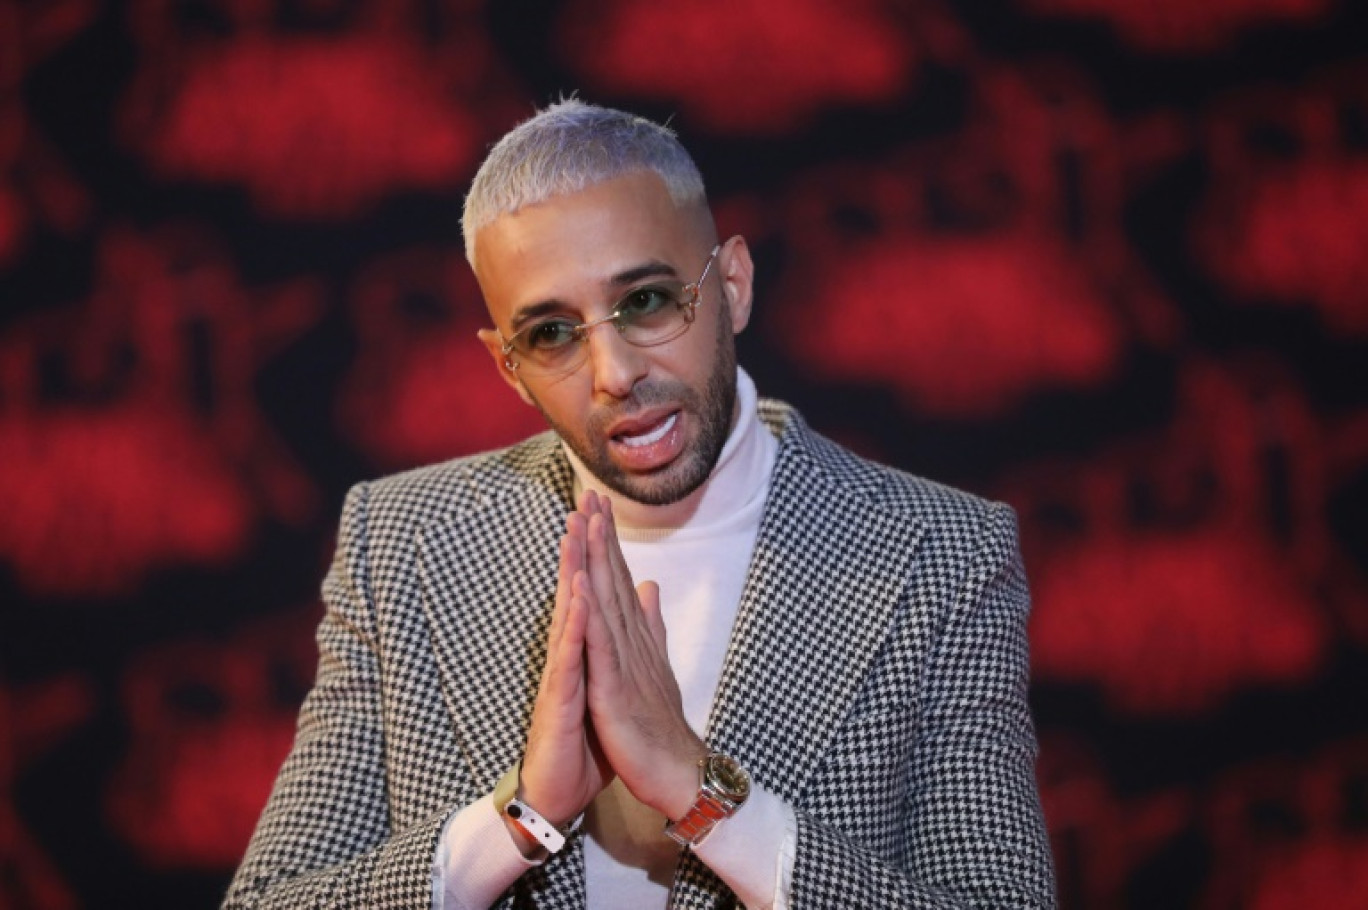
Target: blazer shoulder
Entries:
(935, 504)
(467, 482)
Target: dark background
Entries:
(1103, 259)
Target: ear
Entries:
(494, 345)
(738, 276)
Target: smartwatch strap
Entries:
(534, 826)
(528, 819)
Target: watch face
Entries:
(726, 775)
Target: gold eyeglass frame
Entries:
(693, 300)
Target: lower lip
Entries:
(654, 455)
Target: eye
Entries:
(647, 301)
(550, 335)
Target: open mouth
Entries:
(651, 435)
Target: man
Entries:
(815, 696)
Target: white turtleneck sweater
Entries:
(698, 550)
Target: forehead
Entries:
(568, 247)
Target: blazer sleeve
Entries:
(324, 838)
(973, 834)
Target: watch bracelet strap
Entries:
(713, 804)
(528, 819)
(700, 820)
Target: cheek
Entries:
(566, 401)
(699, 347)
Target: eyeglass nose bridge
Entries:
(615, 317)
(582, 336)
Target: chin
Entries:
(673, 483)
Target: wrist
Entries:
(550, 797)
(679, 781)
(535, 835)
(505, 791)
(528, 846)
(723, 787)
(554, 814)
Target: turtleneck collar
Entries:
(738, 480)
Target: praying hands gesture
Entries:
(608, 703)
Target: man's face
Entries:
(648, 422)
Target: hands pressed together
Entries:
(608, 704)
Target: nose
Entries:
(617, 366)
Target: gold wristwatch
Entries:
(723, 786)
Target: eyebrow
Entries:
(651, 269)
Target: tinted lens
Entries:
(653, 314)
(549, 336)
(549, 345)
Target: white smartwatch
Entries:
(529, 820)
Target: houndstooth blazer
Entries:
(876, 680)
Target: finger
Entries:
(564, 572)
(571, 553)
(648, 594)
(615, 557)
(567, 624)
(563, 677)
(601, 646)
(577, 545)
(568, 674)
(601, 575)
(577, 526)
(571, 559)
(570, 663)
(637, 631)
(617, 564)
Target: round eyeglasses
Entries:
(646, 316)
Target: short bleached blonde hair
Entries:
(567, 147)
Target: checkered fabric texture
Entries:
(876, 679)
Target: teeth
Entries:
(654, 436)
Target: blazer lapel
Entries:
(488, 576)
(828, 570)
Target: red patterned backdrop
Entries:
(1106, 260)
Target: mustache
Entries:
(644, 395)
